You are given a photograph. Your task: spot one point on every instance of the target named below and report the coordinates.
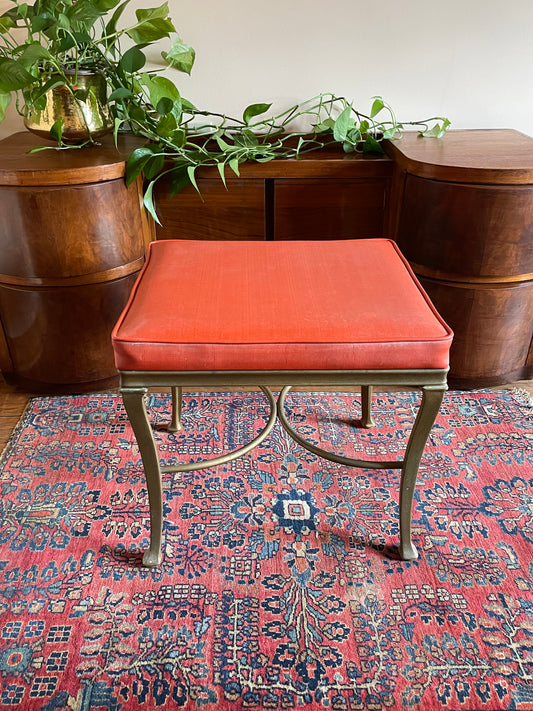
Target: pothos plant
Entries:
(45, 45)
(65, 36)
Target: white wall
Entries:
(470, 60)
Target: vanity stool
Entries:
(307, 313)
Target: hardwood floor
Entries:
(14, 401)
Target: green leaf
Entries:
(136, 113)
(83, 12)
(39, 92)
(6, 24)
(154, 166)
(159, 88)
(82, 37)
(137, 161)
(5, 100)
(81, 94)
(40, 22)
(254, 110)
(222, 144)
(166, 125)
(180, 56)
(246, 139)
(151, 31)
(234, 165)
(390, 133)
(221, 167)
(105, 5)
(437, 131)
(152, 25)
(325, 126)
(162, 91)
(13, 76)
(152, 13)
(57, 130)
(164, 106)
(120, 93)
(116, 128)
(343, 123)
(445, 125)
(149, 201)
(179, 179)
(64, 23)
(432, 132)
(188, 106)
(132, 60)
(111, 26)
(68, 42)
(190, 173)
(354, 136)
(31, 54)
(370, 145)
(179, 137)
(376, 106)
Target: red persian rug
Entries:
(281, 586)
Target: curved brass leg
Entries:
(330, 456)
(177, 401)
(366, 407)
(135, 407)
(225, 458)
(429, 407)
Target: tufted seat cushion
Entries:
(302, 305)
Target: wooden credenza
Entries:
(460, 207)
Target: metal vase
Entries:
(83, 120)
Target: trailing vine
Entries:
(44, 45)
(226, 142)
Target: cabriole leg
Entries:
(429, 407)
(135, 407)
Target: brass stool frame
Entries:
(134, 386)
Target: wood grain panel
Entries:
(71, 231)
(314, 208)
(460, 231)
(91, 164)
(489, 156)
(237, 213)
(490, 344)
(62, 335)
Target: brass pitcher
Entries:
(82, 119)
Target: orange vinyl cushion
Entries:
(301, 305)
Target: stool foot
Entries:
(152, 558)
(366, 407)
(408, 551)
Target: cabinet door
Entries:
(232, 214)
(333, 208)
